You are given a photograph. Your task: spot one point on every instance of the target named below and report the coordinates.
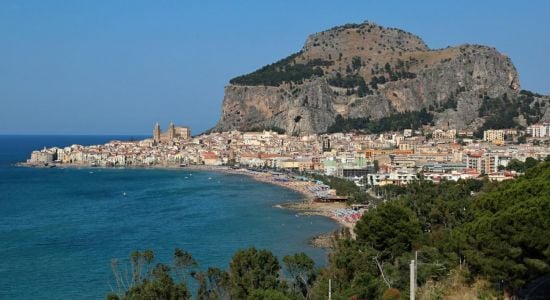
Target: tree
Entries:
(301, 269)
(519, 166)
(218, 282)
(507, 242)
(530, 163)
(356, 62)
(253, 269)
(183, 263)
(268, 295)
(160, 286)
(284, 70)
(389, 229)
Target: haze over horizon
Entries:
(119, 67)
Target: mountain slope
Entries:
(368, 71)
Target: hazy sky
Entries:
(117, 67)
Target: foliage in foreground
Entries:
(492, 235)
(499, 232)
(253, 274)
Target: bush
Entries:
(396, 122)
(285, 70)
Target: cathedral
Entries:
(173, 132)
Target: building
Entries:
(357, 172)
(326, 143)
(182, 132)
(539, 130)
(395, 178)
(173, 133)
(45, 156)
(440, 134)
(494, 136)
(485, 163)
(156, 133)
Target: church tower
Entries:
(156, 133)
(171, 131)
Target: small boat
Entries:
(124, 194)
(209, 178)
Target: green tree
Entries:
(284, 70)
(302, 272)
(218, 282)
(390, 229)
(184, 263)
(253, 269)
(268, 295)
(507, 241)
(160, 286)
(530, 163)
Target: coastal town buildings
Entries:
(496, 136)
(371, 159)
(539, 130)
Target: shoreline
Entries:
(305, 205)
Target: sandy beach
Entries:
(306, 205)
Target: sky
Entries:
(117, 67)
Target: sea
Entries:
(60, 228)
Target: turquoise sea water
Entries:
(59, 228)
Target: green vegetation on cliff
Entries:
(396, 122)
(285, 70)
(354, 83)
(502, 112)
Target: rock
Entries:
(450, 82)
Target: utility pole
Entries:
(329, 289)
(412, 279)
(415, 271)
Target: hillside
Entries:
(477, 232)
(368, 71)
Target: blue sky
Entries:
(117, 67)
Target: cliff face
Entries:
(367, 71)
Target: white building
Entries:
(396, 178)
(494, 136)
(539, 130)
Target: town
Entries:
(374, 160)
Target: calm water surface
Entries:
(59, 228)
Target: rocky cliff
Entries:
(365, 70)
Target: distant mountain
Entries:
(368, 72)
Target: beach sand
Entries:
(306, 205)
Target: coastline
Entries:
(304, 206)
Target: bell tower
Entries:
(156, 133)
(171, 131)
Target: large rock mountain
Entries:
(365, 70)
